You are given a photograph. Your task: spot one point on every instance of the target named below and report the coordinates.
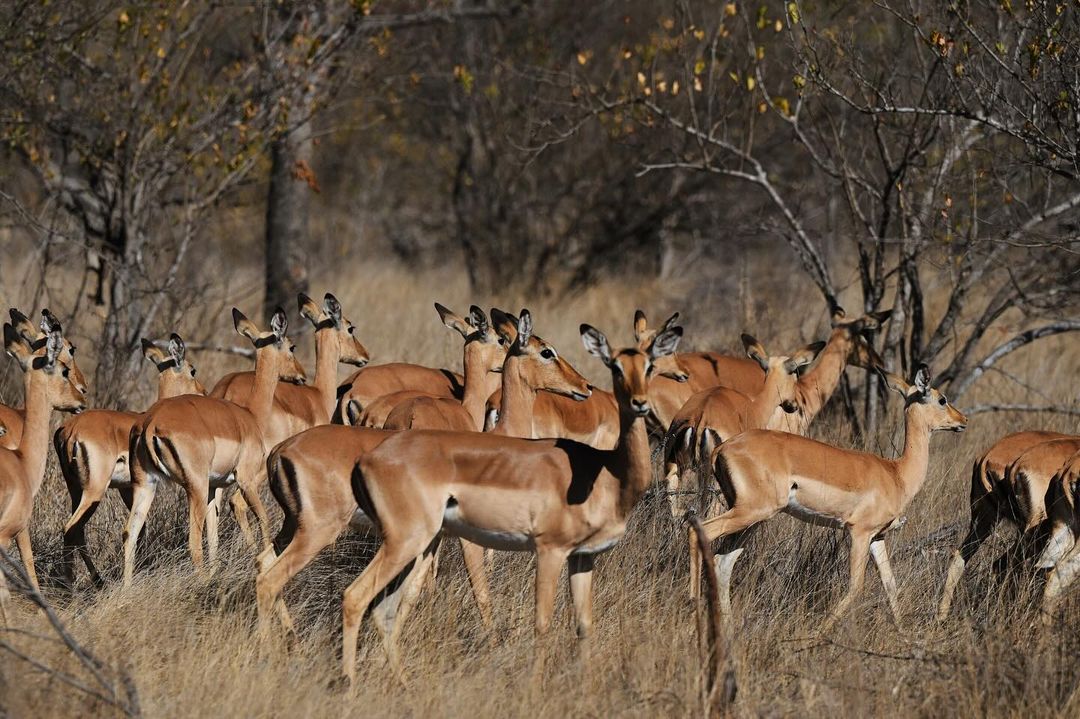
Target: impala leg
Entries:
(881, 559)
(240, 511)
(5, 593)
(736, 519)
(392, 557)
(140, 507)
(212, 517)
(75, 540)
(393, 611)
(1061, 576)
(252, 479)
(580, 569)
(196, 520)
(308, 541)
(473, 554)
(860, 547)
(984, 517)
(26, 551)
(672, 480)
(549, 564)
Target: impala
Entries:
(562, 500)
(710, 369)
(11, 419)
(93, 450)
(765, 472)
(719, 413)
(310, 474)
(300, 406)
(996, 495)
(206, 443)
(595, 421)
(49, 384)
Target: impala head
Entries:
(667, 365)
(176, 376)
(273, 345)
(535, 360)
(631, 368)
(37, 336)
(782, 371)
(46, 371)
(484, 348)
(854, 331)
(331, 326)
(926, 403)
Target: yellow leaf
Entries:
(675, 87)
(760, 52)
(123, 19)
(161, 52)
(793, 12)
(762, 107)
(750, 84)
(641, 78)
(699, 66)
(799, 81)
(697, 84)
(730, 9)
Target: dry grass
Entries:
(189, 643)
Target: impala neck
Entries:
(913, 463)
(820, 381)
(518, 403)
(262, 394)
(327, 356)
(479, 385)
(34, 443)
(765, 402)
(632, 456)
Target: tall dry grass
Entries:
(189, 643)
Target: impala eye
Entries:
(351, 329)
(192, 371)
(648, 369)
(547, 353)
(65, 372)
(292, 348)
(942, 402)
(71, 349)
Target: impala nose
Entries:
(640, 406)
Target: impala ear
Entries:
(352, 412)
(308, 309)
(803, 357)
(505, 326)
(670, 322)
(894, 382)
(177, 349)
(666, 342)
(922, 379)
(478, 319)
(22, 326)
(49, 322)
(152, 352)
(333, 308)
(882, 316)
(595, 343)
(244, 326)
(453, 321)
(755, 351)
(53, 346)
(279, 324)
(525, 328)
(836, 313)
(641, 325)
(16, 346)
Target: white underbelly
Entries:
(120, 477)
(495, 539)
(809, 515)
(222, 481)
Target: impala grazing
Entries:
(48, 384)
(206, 444)
(562, 500)
(764, 472)
(1000, 493)
(92, 448)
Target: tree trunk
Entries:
(287, 207)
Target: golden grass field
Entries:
(190, 646)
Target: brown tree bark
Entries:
(287, 212)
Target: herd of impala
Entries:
(519, 453)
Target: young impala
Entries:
(205, 443)
(564, 501)
(764, 472)
(92, 448)
(49, 384)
